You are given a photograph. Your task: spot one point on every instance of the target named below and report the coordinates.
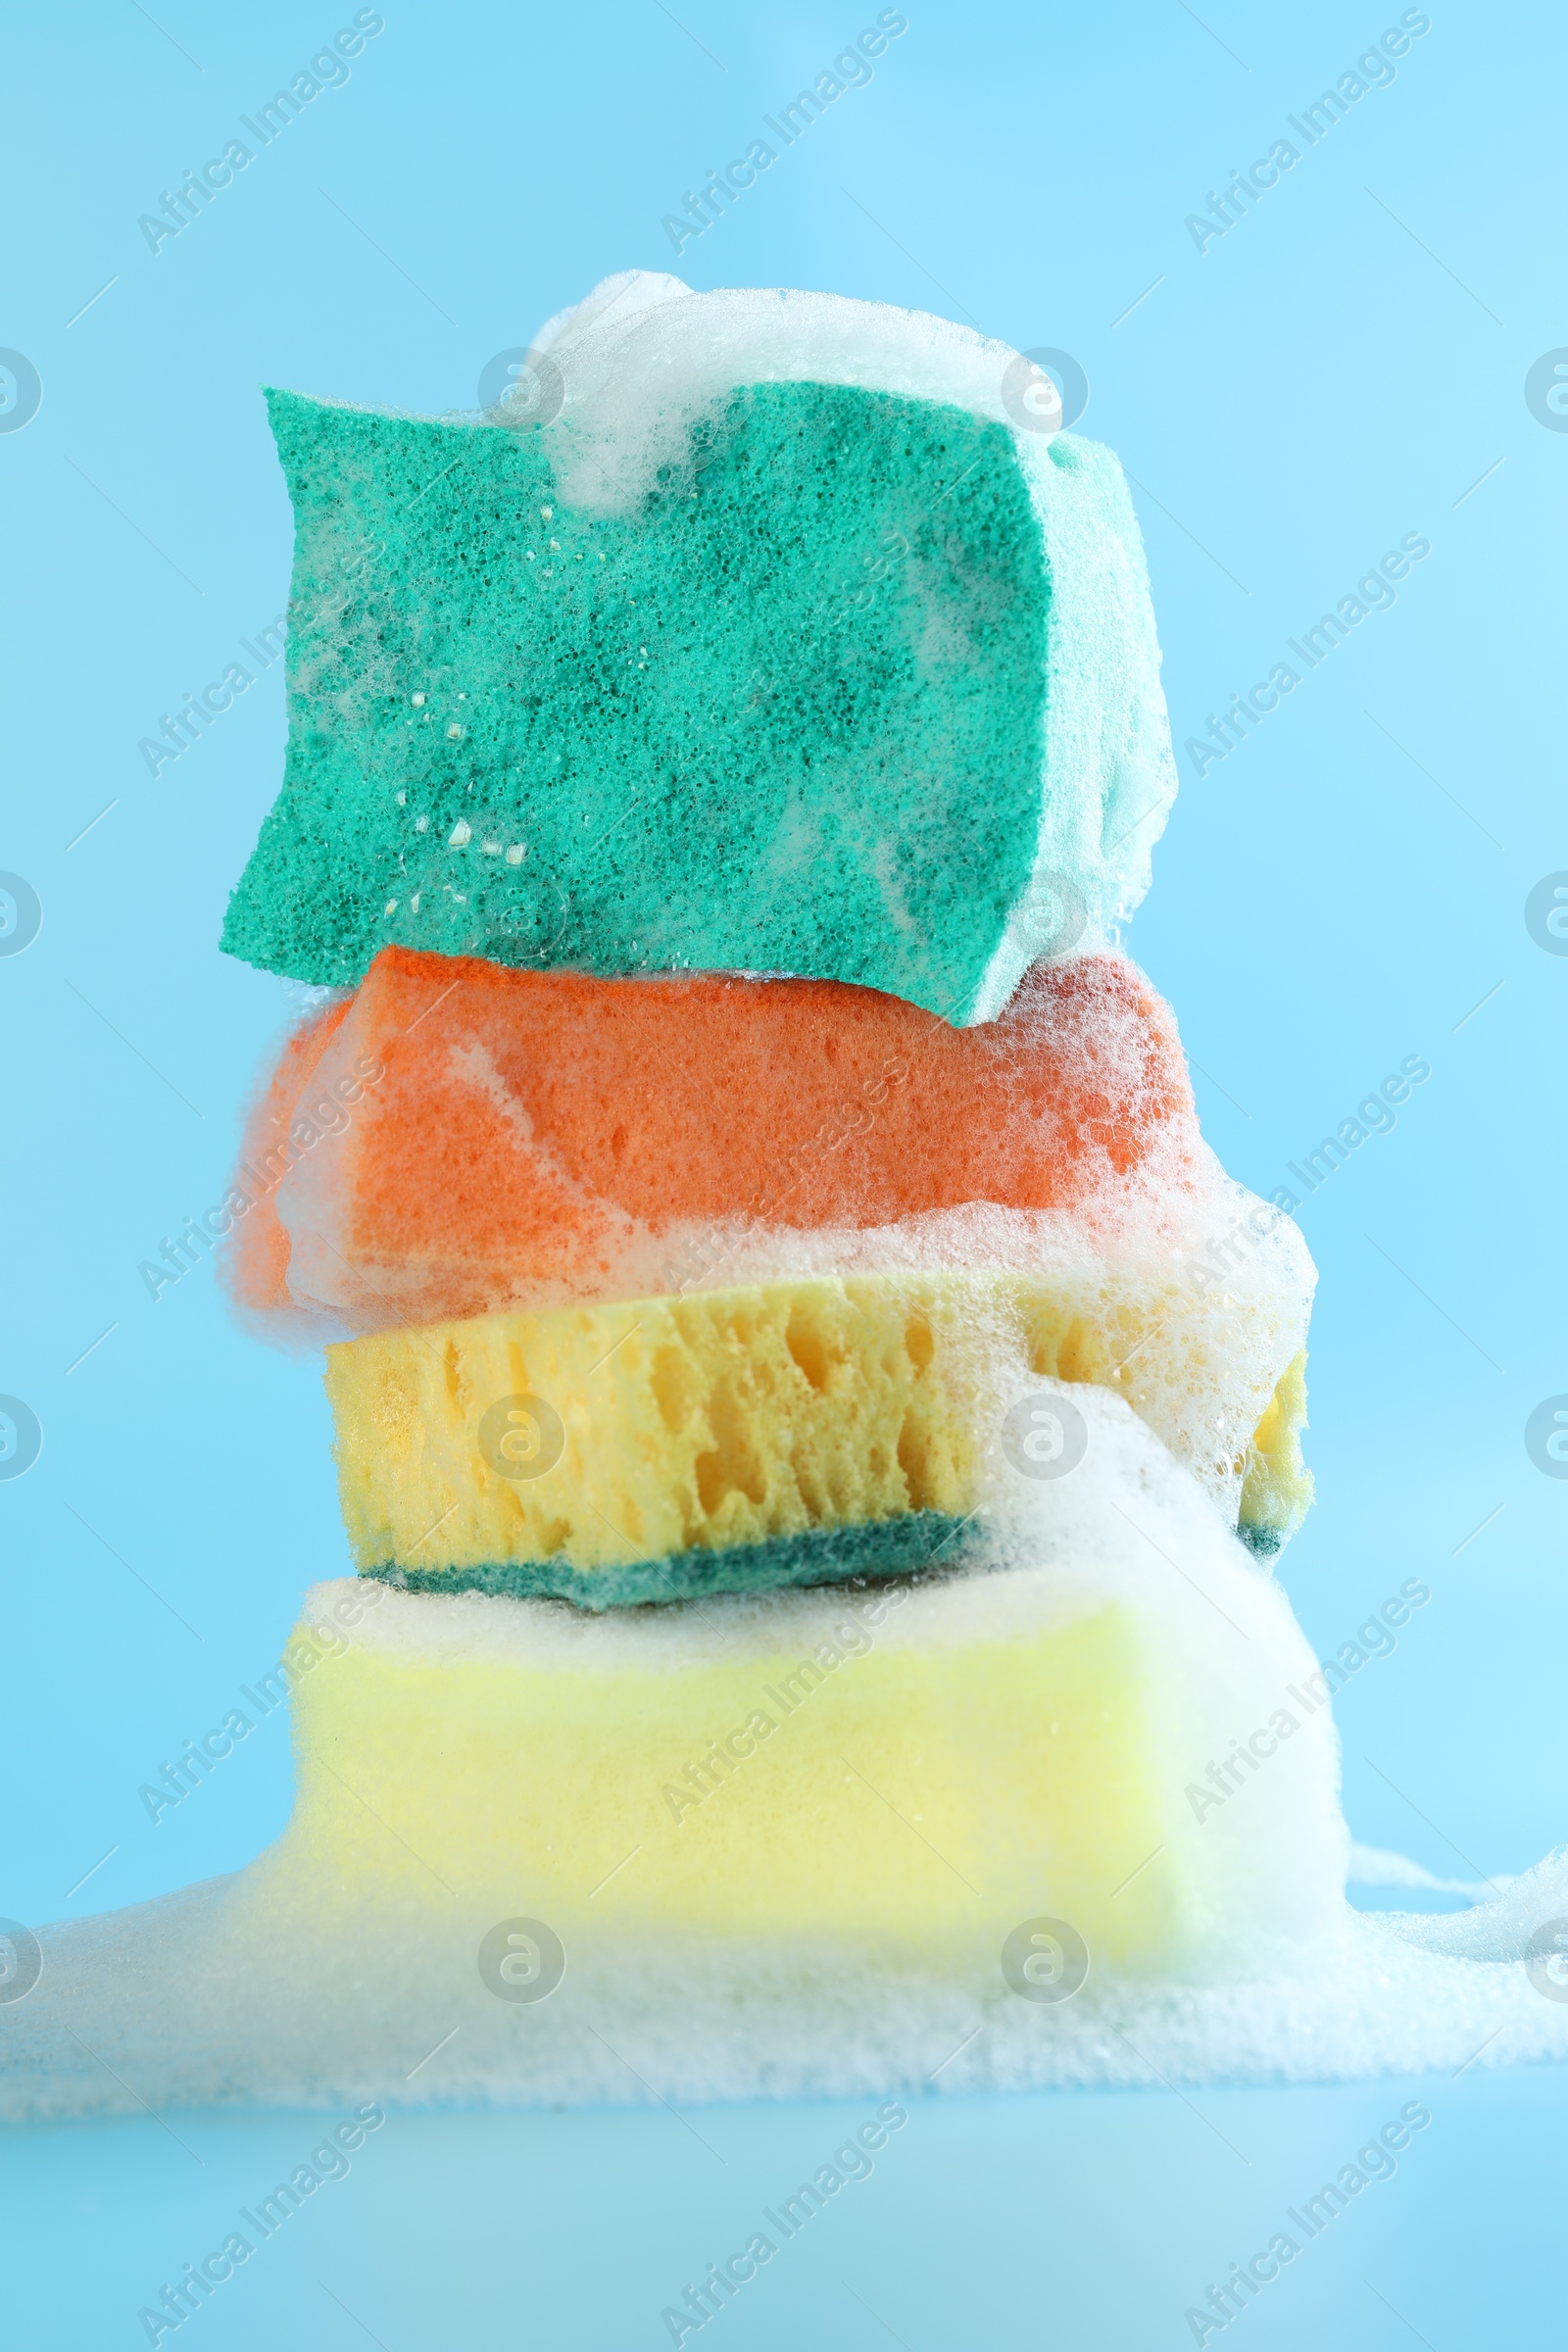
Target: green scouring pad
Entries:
(818, 1555)
(731, 657)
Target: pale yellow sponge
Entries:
(792, 1432)
(816, 1772)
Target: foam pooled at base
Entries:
(776, 635)
(1007, 1769)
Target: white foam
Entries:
(615, 298)
(1376, 1866)
(642, 356)
(163, 1996)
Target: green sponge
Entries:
(860, 686)
(815, 1555)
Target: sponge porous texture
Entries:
(724, 1439)
(862, 686)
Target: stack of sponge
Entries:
(813, 1419)
(811, 1414)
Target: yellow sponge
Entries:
(823, 1767)
(795, 1432)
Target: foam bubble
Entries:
(642, 356)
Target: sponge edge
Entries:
(917, 777)
(1105, 714)
(852, 1553)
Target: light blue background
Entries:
(1338, 370)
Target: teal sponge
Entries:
(854, 684)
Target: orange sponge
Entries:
(256, 1260)
(529, 1137)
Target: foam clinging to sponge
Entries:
(721, 664)
(710, 1443)
(463, 1138)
